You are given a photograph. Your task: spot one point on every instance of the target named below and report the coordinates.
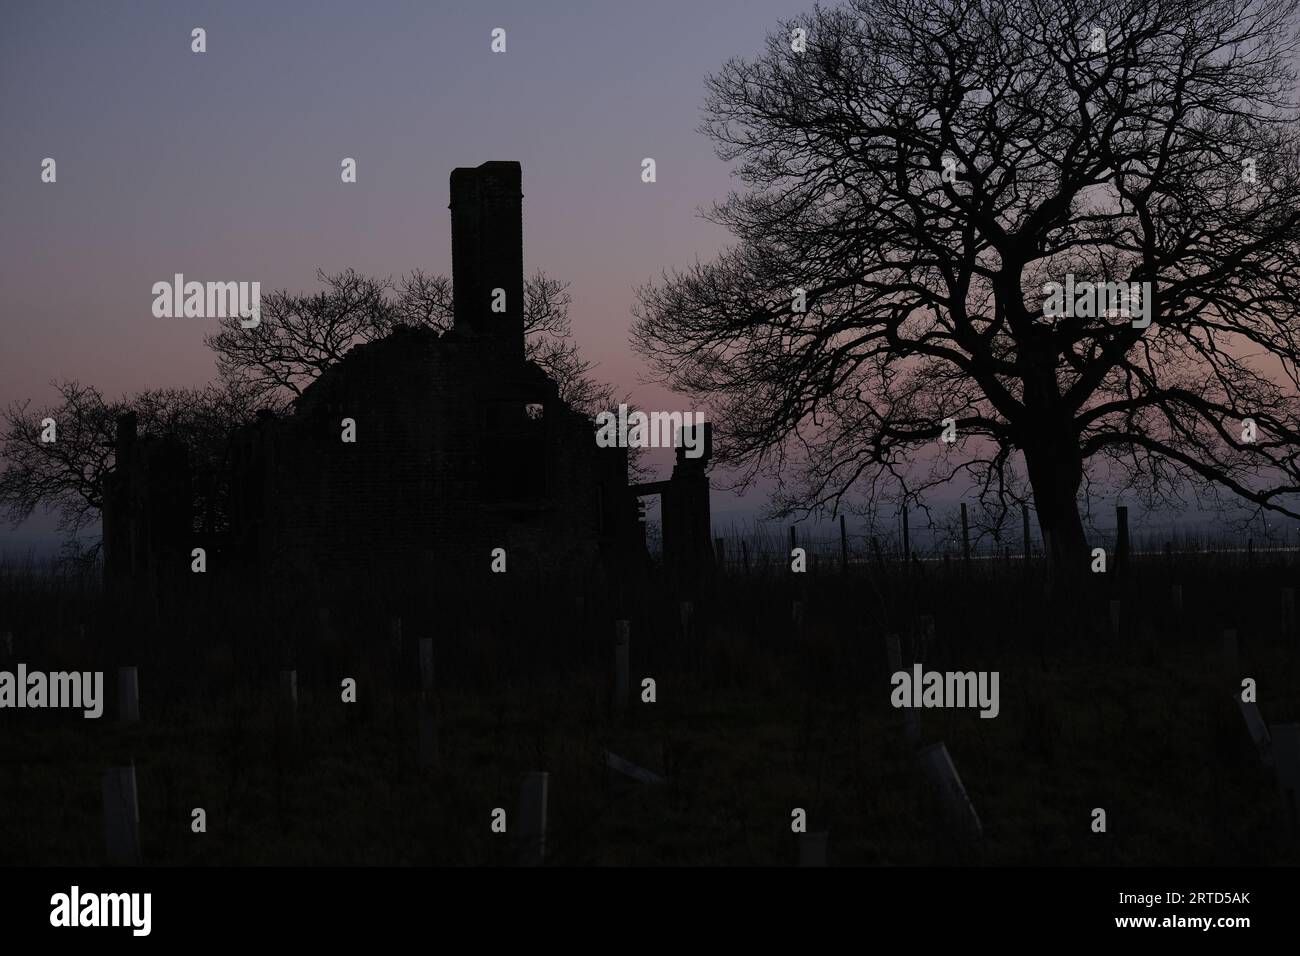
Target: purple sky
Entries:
(225, 165)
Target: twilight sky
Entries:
(225, 165)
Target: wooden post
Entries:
(532, 818)
(121, 816)
(812, 848)
(965, 535)
(939, 767)
(1288, 613)
(1121, 539)
(128, 695)
(622, 642)
(1115, 619)
(1256, 727)
(1024, 520)
(907, 542)
(792, 541)
(844, 547)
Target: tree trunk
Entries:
(1055, 473)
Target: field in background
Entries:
(1128, 708)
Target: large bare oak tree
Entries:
(923, 169)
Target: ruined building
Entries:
(461, 446)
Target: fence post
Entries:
(1024, 520)
(1121, 539)
(965, 535)
(844, 547)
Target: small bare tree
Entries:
(66, 476)
(301, 335)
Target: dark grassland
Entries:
(754, 718)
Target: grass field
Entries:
(753, 718)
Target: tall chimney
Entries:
(125, 440)
(487, 253)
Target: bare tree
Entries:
(66, 476)
(922, 172)
(300, 335)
